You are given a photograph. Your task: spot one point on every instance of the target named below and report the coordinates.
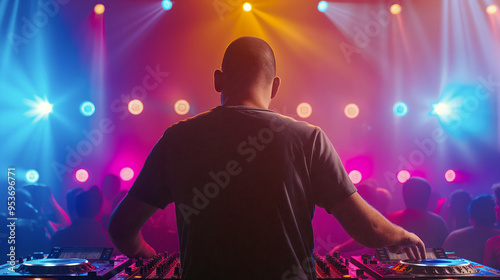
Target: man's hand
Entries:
(411, 244)
(367, 226)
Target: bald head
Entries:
(249, 59)
(248, 67)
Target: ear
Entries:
(276, 85)
(218, 82)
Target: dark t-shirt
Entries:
(245, 182)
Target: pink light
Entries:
(81, 175)
(351, 111)
(135, 107)
(355, 176)
(181, 107)
(450, 176)
(126, 174)
(304, 110)
(403, 176)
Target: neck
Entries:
(250, 101)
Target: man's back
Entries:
(428, 226)
(245, 181)
(230, 219)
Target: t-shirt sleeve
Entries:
(150, 185)
(330, 182)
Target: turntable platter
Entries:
(56, 266)
(435, 267)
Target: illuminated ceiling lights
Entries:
(403, 176)
(491, 9)
(395, 9)
(247, 7)
(181, 107)
(40, 108)
(135, 107)
(441, 109)
(167, 4)
(400, 109)
(355, 176)
(304, 110)
(351, 111)
(450, 175)
(82, 175)
(322, 6)
(126, 174)
(99, 9)
(32, 176)
(87, 108)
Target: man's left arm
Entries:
(125, 227)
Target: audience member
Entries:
(496, 192)
(70, 203)
(457, 216)
(105, 217)
(85, 231)
(430, 227)
(384, 199)
(380, 199)
(44, 202)
(492, 250)
(110, 188)
(470, 242)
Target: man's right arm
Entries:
(367, 226)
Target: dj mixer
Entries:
(97, 264)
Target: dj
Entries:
(245, 181)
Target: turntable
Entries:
(66, 263)
(386, 265)
(56, 267)
(429, 267)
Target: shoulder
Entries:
(460, 232)
(395, 215)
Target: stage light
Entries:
(351, 110)
(450, 176)
(45, 108)
(82, 175)
(247, 7)
(99, 9)
(126, 174)
(135, 107)
(395, 9)
(181, 107)
(355, 176)
(491, 9)
(40, 108)
(304, 110)
(403, 176)
(400, 109)
(441, 109)
(167, 4)
(87, 108)
(322, 6)
(32, 176)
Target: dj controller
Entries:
(98, 264)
